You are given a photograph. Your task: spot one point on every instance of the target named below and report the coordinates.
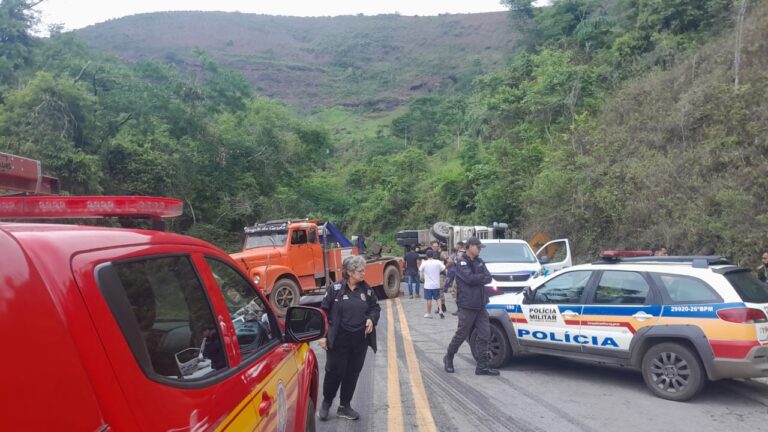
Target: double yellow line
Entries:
(423, 413)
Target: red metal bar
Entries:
(20, 174)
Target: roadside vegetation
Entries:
(622, 123)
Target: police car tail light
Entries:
(742, 315)
(56, 207)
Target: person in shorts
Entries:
(430, 270)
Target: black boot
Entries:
(448, 363)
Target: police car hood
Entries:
(510, 298)
(512, 268)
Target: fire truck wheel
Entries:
(391, 281)
(284, 294)
(310, 425)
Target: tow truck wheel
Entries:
(391, 282)
(284, 294)
(672, 371)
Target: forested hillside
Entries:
(375, 63)
(623, 123)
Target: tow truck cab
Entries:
(287, 259)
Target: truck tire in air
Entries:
(440, 231)
(392, 278)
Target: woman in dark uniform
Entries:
(353, 311)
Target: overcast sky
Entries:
(75, 14)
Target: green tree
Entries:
(17, 18)
(51, 120)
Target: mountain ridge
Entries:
(376, 63)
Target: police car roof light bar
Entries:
(641, 257)
(88, 207)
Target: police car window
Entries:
(749, 287)
(178, 329)
(621, 287)
(686, 289)
(563, 289)
(254, 326)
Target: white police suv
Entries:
(680, 320)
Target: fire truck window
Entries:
(299, 237)
(177, 325)
(254, 326)
(313, 236)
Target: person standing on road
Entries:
(353, 311)
(412, 270)
(431, 269)
(450, 271)
(471, 278)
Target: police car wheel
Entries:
(672, 371)
(310, 425)
(499, 350)
(284, 294)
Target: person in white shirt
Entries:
(430, 270)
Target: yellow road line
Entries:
(423, 412)
(395, 402)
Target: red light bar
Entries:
(625, 253)
(54, 207)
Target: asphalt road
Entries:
(403, 388)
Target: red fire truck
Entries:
(288, 258)
(110, 329)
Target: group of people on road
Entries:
(353, 311)
(437, 272)
(464, 267)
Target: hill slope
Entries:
(377, 63)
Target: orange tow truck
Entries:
(289, 258)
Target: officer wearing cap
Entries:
(471, 278)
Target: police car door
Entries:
(552, 317)
(620, 304)
(555, 256)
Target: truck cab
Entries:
(289, 258)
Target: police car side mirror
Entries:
(527, 295)
(305, 324)
(543, 260)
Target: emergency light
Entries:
(625, 253)
(80, 207)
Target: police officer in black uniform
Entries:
(353, 311)
(471, 278)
